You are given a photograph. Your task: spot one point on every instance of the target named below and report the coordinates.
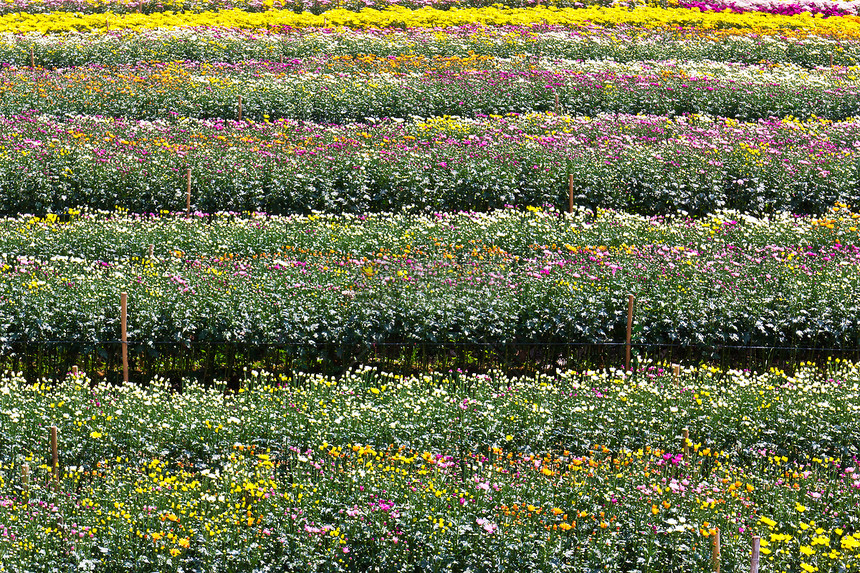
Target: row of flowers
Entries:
(645, 164)
(343, 89)
(312, 6)
(786, 7)
(502, 236)
(845, 27)
(621, 44)
(570, 471)
(708, 287)
(826, 8)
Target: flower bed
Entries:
(570, 471)
(645, 164)
(345, 90)
(508, 276)
(585, 42)
(843, 27)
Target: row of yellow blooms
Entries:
(839, 27)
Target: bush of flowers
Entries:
(350, 89)
(826, 8)
(571, 471)
(843, 27)
(645, 164)
(789, 8)
(505, 277)
(587, 42)
(312, 6)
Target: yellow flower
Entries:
(174, 552)
(156, 536)
(95, 435)
(184, 542)
(800, 508)
(807, 550)
(767, 521)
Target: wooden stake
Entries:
(240, 108)
(570, 193)
(630, 300)
(188, 193)
(55, 457)
(25, 478)
(32, 57)
(685, 435)
(715, 551)
(123, 305)
(676, 370)
(151, 248)
(756, 545)
(75, 371)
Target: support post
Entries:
(570, 193)
(25, 478)
(240, 108)
(123, 303)
(630, 300)
(74, 371)
(32, 57)
(685, 435)
(151, 248)
(188, 192)
(715, 551)
(756, 546)
(55, 458)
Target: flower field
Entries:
(376, 262)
